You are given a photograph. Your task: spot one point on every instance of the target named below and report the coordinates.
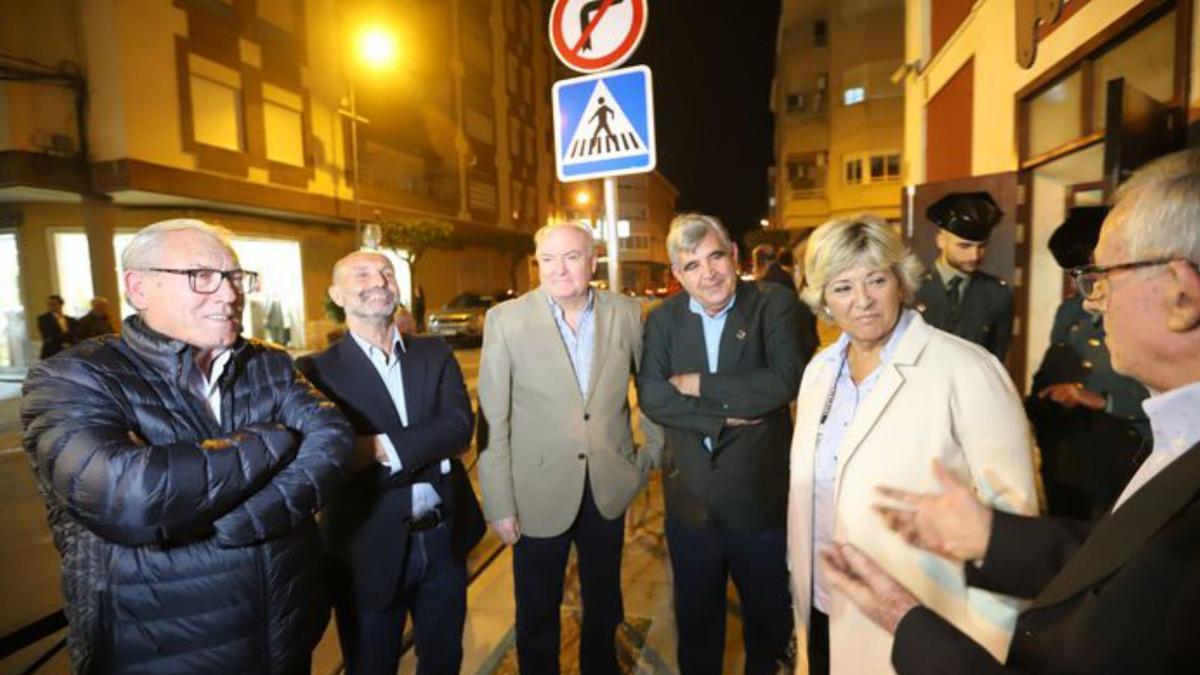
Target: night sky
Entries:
(712, 63)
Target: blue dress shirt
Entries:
(713, 327)
(581, 342)
(847, 398)
(424, 497)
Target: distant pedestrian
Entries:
(418, 308)
(55, 327)
(96, 322)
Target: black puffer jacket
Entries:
(188, 546)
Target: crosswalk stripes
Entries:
(584, 147)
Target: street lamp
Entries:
(375, 47)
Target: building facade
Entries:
(1045, 117)
(646, 204)
(839, 118)
(256, 114)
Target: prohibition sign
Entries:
(594, 35)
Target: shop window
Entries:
(73, 271)
(14, 345)
(1054, 115)
(276, 311)
(284, 119)
(1146, 61)
(216, 104)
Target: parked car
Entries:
(461, 319)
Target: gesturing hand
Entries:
(954, 524)
(876, 594)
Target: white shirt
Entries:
(205, 386)
(1174, 426)
(848, 397)
(424, 497)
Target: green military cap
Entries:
(970, 215)
(1073, 241)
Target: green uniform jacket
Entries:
(986, 316)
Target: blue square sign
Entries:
(604, 124)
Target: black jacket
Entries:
(1119, 597)
(365, 527)
(54, 338)
(188, 546)
(742, 485)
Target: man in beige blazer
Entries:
(560, 465)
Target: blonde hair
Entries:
(868, 240)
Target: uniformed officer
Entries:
(955, 295)
(1089, 420)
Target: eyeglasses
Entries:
(1088, 277)
(206, 281)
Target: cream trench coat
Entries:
(940, 397)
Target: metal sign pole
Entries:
(610, 229)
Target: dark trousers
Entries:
(539, 567)
(434, 589)
(702, 560)
(818, 643)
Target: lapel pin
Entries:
(741, 334)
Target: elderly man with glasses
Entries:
(1120, 595)
(181, 466)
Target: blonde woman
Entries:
(889, 397)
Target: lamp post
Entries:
(375, 47)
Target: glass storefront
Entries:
(14, 347)
(276, 311)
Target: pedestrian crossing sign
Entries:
(604, 124)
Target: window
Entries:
(283, 117)
(820, 33)
(868, 168)
(278, 13)
(216, 104)
(806, 172)
(853, 96)
(795, 103)
(854, 171)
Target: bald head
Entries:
(364, 286)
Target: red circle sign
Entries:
(594, 35)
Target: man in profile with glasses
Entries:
(1120, 595)
(181, 467)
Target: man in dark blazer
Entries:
(955, 294)
(720, 365)
(1121, 595)
(55, 327)
(398, 534)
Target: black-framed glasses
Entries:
(1087, 278)
(206, 281)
